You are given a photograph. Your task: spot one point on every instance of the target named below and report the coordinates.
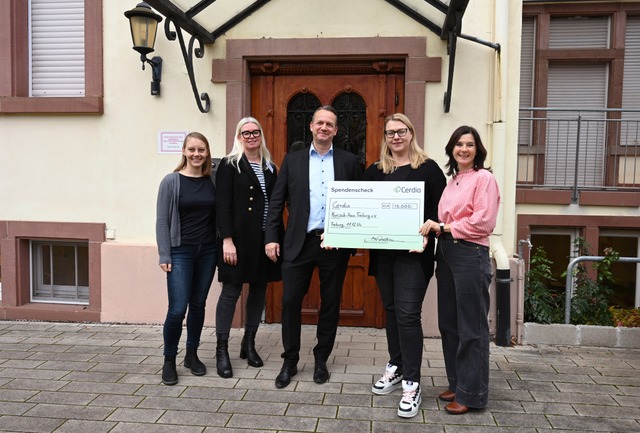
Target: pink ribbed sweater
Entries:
(469, 205)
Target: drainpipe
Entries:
(499, 132)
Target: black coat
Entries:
(434, 180)
(293, 188)
(239, 215)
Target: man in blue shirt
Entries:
(302, 183)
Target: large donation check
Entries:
(379, 215)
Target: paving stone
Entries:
(60, 397)
(14, 408)
(67, 411)
(194, 418)
(29, 424)
(36, 384)
(81, 426)
(18, 373)
(112, 400)
(404, 427)
(312, 410)
(522, 420)
(587, 424)
(254, 408)
(297, 424)
(136, 415)
(138, 427)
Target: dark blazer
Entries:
(292, 187)
(239, 212)
(434, 180)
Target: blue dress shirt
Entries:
(320, 174)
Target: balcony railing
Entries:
(579, 149)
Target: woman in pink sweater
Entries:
(467, 215)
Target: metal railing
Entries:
(567, 148)
(569, 281)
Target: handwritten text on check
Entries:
(378, 215)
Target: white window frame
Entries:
(36, 259)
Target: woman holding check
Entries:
(402, 276)
(466, 218)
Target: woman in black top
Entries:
(245, 179)
(402, 276)
(186, 235)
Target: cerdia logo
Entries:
(405, 190)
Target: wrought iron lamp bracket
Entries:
(187, 55)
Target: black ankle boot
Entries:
(223, 363)
(169, 373)
(248, 349)
(192, 361)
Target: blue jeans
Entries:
(464, 275)
(188, 285)
(402, 286)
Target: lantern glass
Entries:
(144, 25)
(143, 32)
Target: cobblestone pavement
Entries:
(67, 377)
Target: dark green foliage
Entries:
(590, 305)
(541, 303)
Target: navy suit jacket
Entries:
(292, 187)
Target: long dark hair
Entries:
(481, 151)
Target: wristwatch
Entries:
(441, 228)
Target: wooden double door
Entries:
(283, 100)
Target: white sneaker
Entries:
(389, 381)
(411, 399)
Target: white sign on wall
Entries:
(171, 141)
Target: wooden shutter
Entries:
(57, 48)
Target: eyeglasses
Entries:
(248, 134)
(389, 133)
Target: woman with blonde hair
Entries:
(402, 276)
(186, 237)
(245, 179)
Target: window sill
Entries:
(49, 313)
(25, 105)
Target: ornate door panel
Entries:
(284, 103)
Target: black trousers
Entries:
(296, 277)
(464, 274)
(402, 286)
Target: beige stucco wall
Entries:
(106, 168)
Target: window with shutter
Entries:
(51, 60)
(631, 84)
(57, 48)
(566, 89)
(527, 64)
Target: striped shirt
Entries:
(257, 169)
(469, 205)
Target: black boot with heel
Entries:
(223, 363)
(248, 349)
